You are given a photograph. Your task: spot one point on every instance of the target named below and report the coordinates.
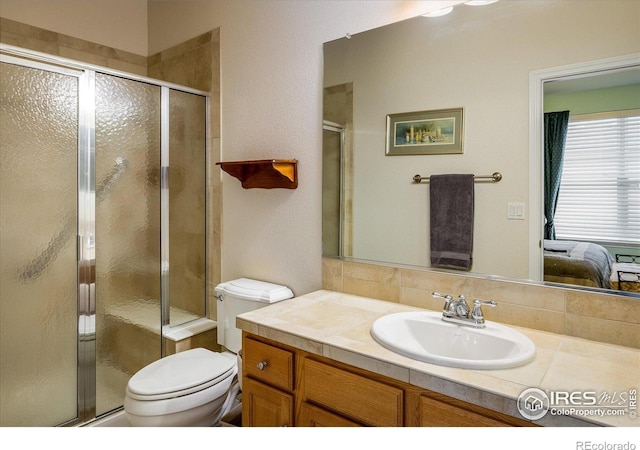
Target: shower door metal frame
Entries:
(340, 129)
(86, 208)
(86, 246)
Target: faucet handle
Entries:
(477, 302)
(477, 310)
(447, 299)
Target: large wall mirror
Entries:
(479, 59)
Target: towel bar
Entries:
(495, 177)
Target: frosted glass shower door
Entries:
(38, 227)
(128, 268)
(187, 206)
(102, 226)
(332, 218)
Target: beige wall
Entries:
(271, 94)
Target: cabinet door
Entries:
(312, 416)
(369, 401)
(449, 412)
(264, 406)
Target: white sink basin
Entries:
(424, 336)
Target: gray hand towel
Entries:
(451, 199)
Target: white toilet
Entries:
(197, 387)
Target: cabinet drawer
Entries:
(313, 416)
(270, 364)
(437, 410)
(368, 401)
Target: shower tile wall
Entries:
(195, 63)
(188, 64)
(40, 40)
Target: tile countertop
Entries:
(337, 326)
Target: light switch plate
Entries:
(515, 210)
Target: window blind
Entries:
(599, 199)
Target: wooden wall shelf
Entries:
(264, 173)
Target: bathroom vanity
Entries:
(285, 386)
(311, 361)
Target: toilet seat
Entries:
(180, 374)
(180, 383)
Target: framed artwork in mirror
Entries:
(433, 132)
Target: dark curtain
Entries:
(555, 136)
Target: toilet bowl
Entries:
(192, 388)
(197, 387)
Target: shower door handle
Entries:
(86, 261)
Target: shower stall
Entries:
(102, 232)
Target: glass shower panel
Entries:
(187, 206)
(38, 267)
(331, 192)
(127, 159)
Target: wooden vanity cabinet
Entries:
(265, 406)
(437, 410)
(284, 386)
(357, 398)
(267, 384)
(311, 415)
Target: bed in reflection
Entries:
(589, 264)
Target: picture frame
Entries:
(434, 132)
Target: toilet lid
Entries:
(255, 290)
(179, 372)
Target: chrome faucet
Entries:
(458, 311)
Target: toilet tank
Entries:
(240, 296)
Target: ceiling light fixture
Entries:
(439, 12)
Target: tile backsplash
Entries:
(610, 318)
